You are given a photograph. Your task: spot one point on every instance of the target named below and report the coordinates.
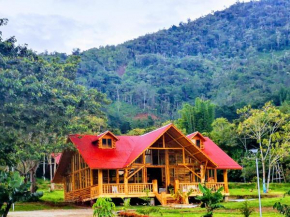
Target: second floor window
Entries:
(107, 143)
(198, 143)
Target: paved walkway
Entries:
(53, 213)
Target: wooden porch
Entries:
(138, 190)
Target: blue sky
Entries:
(61, 25)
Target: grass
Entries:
(54, 200)
(249, 189)
(50, 199)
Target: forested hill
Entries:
(234, 57)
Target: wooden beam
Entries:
(191, 155)
(117, 176)
(167, 172)
(183, 156)
(202, 173)
(225, 174)
(144, 175)
(163, 141)
(126, 190)
(183, 147)
(176, 185)
(192, 171)
(215, 175)
(205, 168)
(155, 185)
(140, 168)
(174, 140)
(100, 181)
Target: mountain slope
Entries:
(233, 57)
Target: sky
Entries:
(62, 25)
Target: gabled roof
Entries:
(106, 133)
(129, 148)
(214, 152)
(190, 136)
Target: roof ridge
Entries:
(156, 129)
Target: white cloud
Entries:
(61, 25)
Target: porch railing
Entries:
(214, 186)
(113, 188)
(140, 188)
(94, 191)
(133, 188)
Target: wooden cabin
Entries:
(106, 165)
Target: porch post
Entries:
(202, 173)
(215, 175)
(167, 172)
(126, 182)
(91, 177)
(155, 186)
(144, 170)
(100, 181)
(225, 173)
(176, 185)
(117, 176)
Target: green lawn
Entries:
(54, 200)
(249, 189)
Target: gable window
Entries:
(198, 143)
(107, 143)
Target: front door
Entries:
(156, 173)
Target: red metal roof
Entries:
(56, 157)
(218, 156)
(128, 148)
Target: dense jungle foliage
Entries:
(233, 57)
(196, 74)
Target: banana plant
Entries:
(210, 200)
(13, 189)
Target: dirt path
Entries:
(54, 213)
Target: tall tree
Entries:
(41, 104)
(198, 117)
(266, 125)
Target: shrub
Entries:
(104, 207)
(246, 210)
(148, 210)
(283, 208)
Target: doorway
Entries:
(156, 173)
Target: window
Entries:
(158, 157)
(107, 143)
(139, 160)
(148, 156)
(198, 143)
(109, 176)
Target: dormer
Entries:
(198, 139)
(106, 140)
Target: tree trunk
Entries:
(33, 178)
(43, 167)
(269, 173)
(51, 176)
(264, 176)
(8, 206)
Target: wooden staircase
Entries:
(164, 198)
